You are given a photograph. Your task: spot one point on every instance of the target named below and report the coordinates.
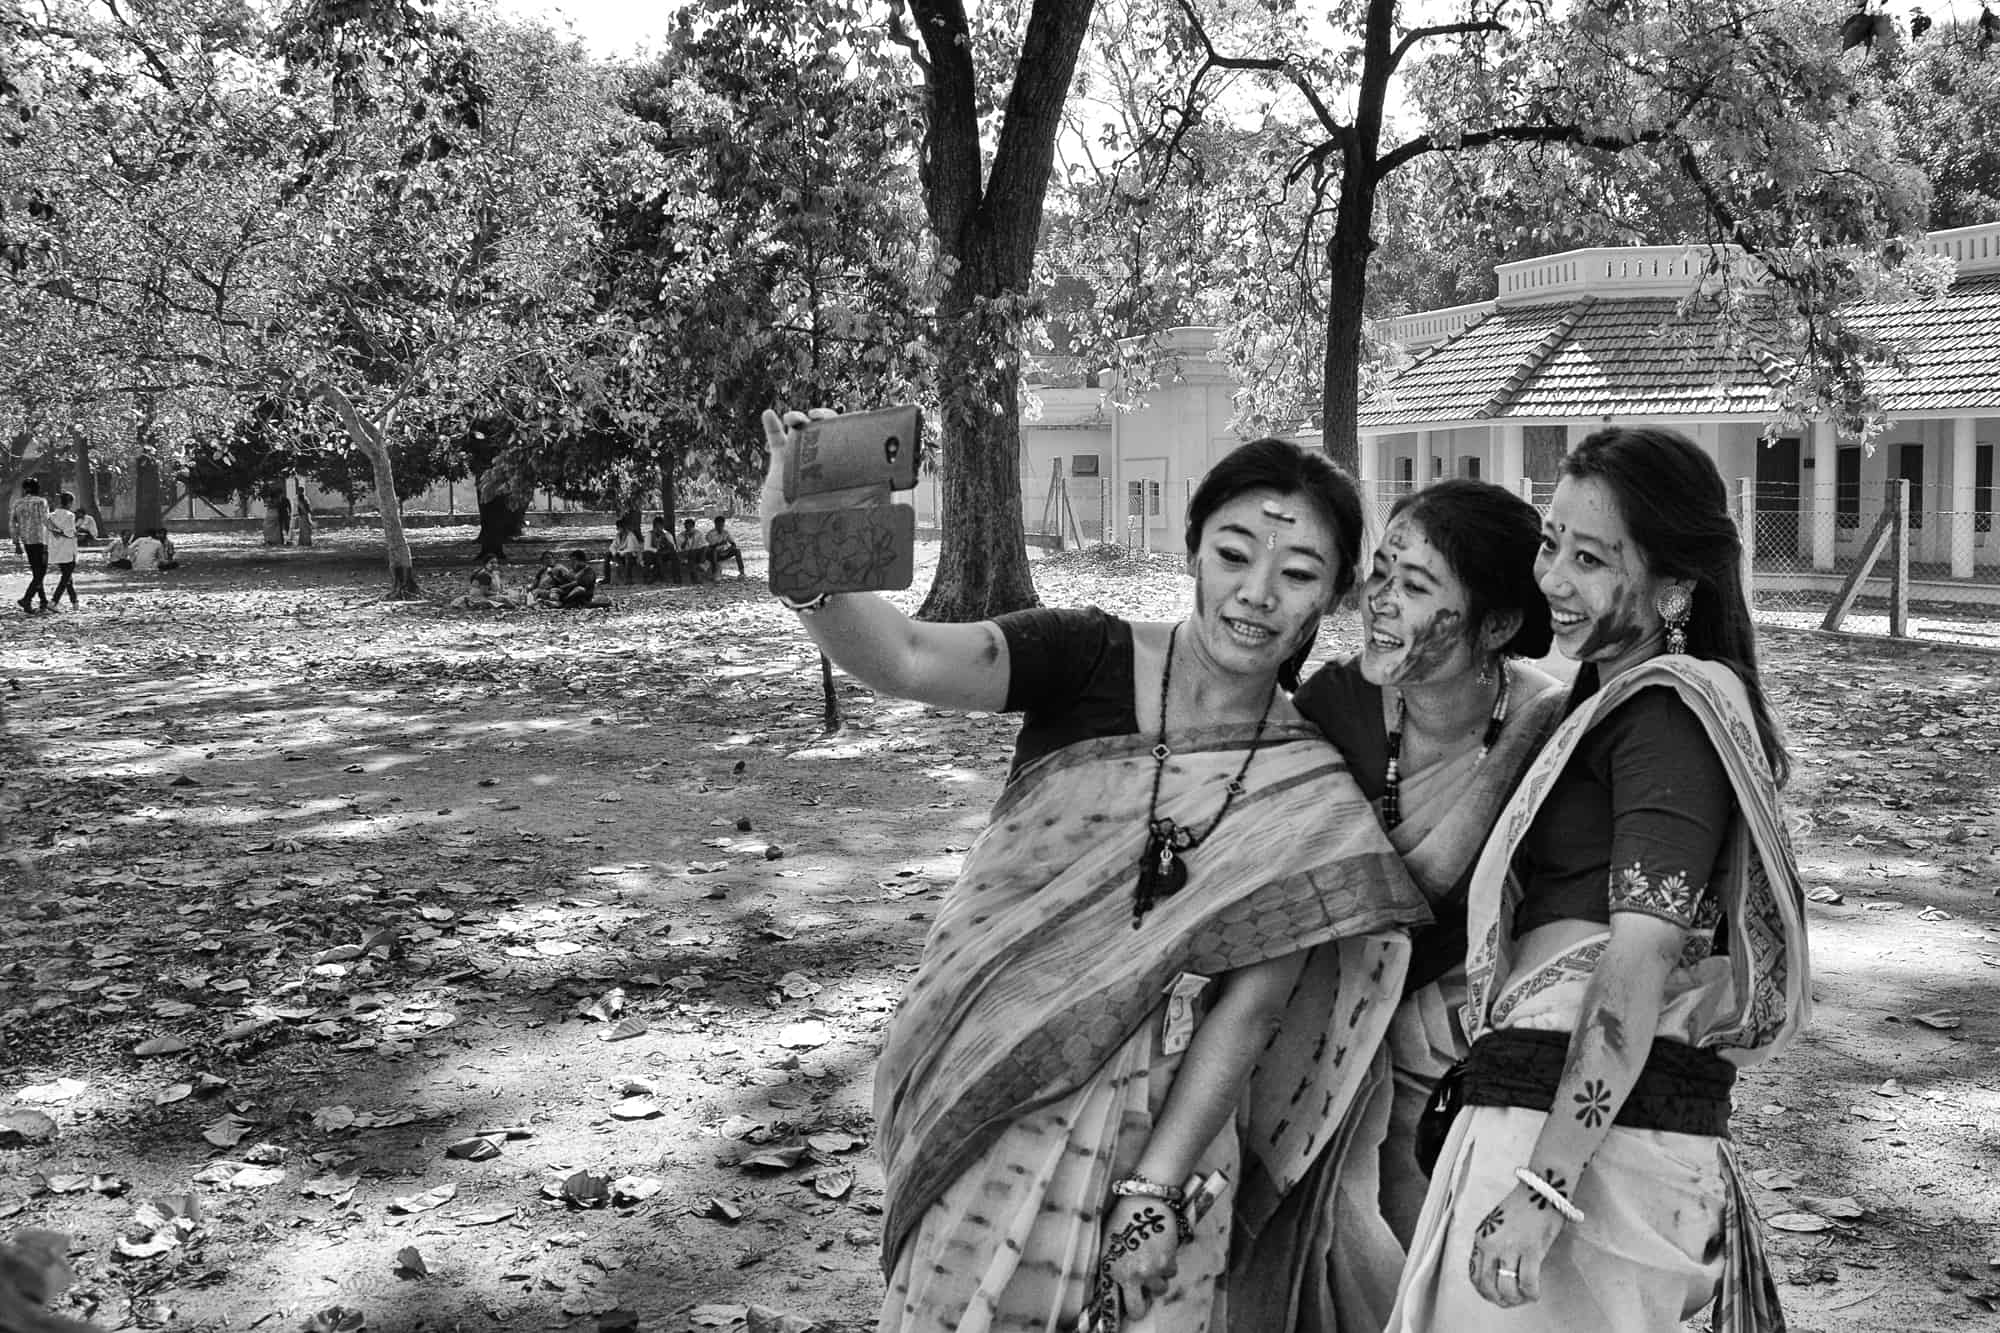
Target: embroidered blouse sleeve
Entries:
(1052, 656)
(1670, 807)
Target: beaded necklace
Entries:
(1392, 782)
(1161, 870)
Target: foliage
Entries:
(1751, 114)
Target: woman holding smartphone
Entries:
(1057, 1094)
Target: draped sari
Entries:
(1026, 1065)
(1668, 1223)
(1322, 1226)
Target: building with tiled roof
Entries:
(1501, 389)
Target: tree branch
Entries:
(1573, 135)
(1415, 35)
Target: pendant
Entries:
(1162, 873)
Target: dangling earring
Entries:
(1486, 672)
(1675, 604)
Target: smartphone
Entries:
(845, 531)
(856, 451)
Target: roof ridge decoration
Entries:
(1537, 357)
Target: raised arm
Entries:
(948, 666)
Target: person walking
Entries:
(29, 518)
(62, 547)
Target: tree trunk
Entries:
(669, 497)
(146, 504)
(989, 223)
(368, 437)
(500, 521)
(983, 559)
(86, 480)
(1347, 285)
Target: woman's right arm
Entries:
(947, 666)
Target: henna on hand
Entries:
(1491, 1223)
(1555, 1181)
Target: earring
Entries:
(1675, 604)
(1486, 672)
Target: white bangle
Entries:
(808, 606)
(1549, 1192)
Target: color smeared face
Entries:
(1264, 573)
(1414, 612)
(1601, 593)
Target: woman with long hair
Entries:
(1637, 935)
(1438, 715)
(1056, 1095)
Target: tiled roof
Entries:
(1637, 357)
(1952, 346)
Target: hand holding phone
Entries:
(837, 526)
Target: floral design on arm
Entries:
(1593, 1104)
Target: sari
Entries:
(1321, 1236)
(1668, 1225)
(1024, 1070)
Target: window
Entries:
(1143, 497)
(1982, 489)
(1468, 466)
(1437, 466)
(1406, 471)
(1910, 467)
(1083, 465)
(1847, 487)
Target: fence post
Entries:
(1899, 570)
(1746, 518)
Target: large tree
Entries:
(985, 211)
(1770, 129)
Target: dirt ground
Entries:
(379, 965)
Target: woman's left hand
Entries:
(1142, 1240)
(1512, 1243)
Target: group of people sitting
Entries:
(568, 581)
(148, 553)
(659, 555)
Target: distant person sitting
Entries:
(721, 547)
(694, 552)
(661, 557)
(86, 531)
(480, 595)
(144, 553)
(118, 555)
(626, 548)
(545, 574)
(167, 559)
(575, 585)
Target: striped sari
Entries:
(1321, 1234)
(1668, 1223)
(1025, 1068)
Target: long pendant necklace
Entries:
(1162, 873)
(1392, 778)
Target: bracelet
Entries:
(808, 606)
(1149, 1189)
(1550, 1193)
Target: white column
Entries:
(1823, 497)
(1513, 459)
(1426, 450)
(1963, 459)
(1368, 460)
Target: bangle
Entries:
(1550, 1193)
(1148, 1189)
(808, 606)
(1172, 1196)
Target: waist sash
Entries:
(1682, 1090)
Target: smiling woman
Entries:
(1057, 1092)
(1637, 935)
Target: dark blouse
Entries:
(1338, 700)
(1634, 823)
(1070, 672)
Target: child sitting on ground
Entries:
(480, 595)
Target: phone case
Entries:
(863, 449)
(868, 549)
